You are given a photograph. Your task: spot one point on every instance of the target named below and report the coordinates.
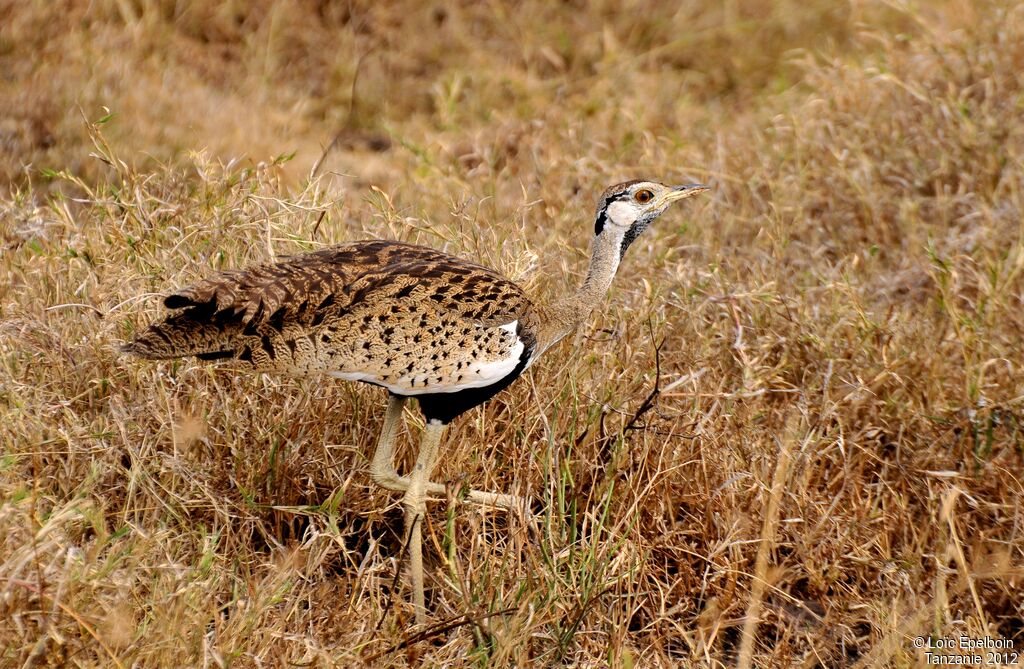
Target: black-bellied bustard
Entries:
(415, 321)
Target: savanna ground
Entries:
(831, 464)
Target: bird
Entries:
(416, 321)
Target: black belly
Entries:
(445, 407)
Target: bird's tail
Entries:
(186, 333)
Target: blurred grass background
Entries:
(831, 468)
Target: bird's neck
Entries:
(566, 314)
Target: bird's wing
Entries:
(405, 317)
(287, 288)
(428, 327)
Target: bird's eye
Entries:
(643, 196)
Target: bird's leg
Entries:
(415, 506)
(382, 467)
(417, 486)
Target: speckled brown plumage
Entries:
(417, 321)
(407, 317)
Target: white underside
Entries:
(475, 375)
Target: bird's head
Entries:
(625, 210)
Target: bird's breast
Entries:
(459, 359)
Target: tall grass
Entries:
(791, 436)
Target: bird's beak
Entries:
(683, 192)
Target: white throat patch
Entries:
(621, 213)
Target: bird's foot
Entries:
(392, 481)
(499, 500)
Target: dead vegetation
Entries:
(832, 461)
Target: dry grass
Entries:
(836, 448)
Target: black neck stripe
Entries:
(631, 234)
(602, 217)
